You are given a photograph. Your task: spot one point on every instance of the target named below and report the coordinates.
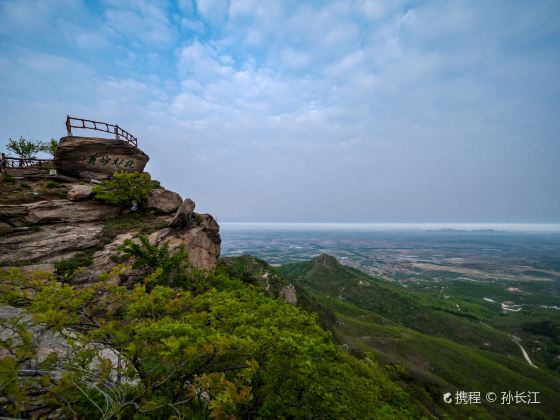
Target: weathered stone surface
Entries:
(289, 294)
(56, 211)
(79, 192)
(103, 260)
(49, 241)
(93, 157)
(65, 345)
(163, 201)
(4, 228)
(45, 341)
(202, 242)
(184, 213)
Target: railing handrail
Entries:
(10, 162)
(109, 128)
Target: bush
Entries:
(66, 268)
(53, 184)
(169, 269)
(221, 354)
(124, 188)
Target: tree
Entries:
(25, 149)
(50, 147)
(124, 188)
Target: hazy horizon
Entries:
(399, 226)
(345, 110)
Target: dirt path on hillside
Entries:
(525, 355)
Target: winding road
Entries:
(517, 341)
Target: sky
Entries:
(306, 111)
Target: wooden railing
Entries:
(100, 126)
(16, 162)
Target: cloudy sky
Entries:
(268, 110)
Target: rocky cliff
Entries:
(55, 229)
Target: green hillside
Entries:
(431, 347)
(190, 344)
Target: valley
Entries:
(445, 311)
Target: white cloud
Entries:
(269, 105)
(213, 11)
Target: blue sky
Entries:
(358, 111)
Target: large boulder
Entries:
(184, 214)
(202, 244)
(79, 192)
(93, 157)
(163, 201)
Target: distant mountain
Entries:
(431, 347)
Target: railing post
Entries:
(117, 132)
(68, 126)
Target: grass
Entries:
(141, 221)
(8, 179)
(20, 191)
(427, 314)
(53, 184)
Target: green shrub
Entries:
(8, 179)
(53, 184)
(169, 269)
(124, 188)
(221, 354)
(66, 268)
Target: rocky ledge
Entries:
(51, 230)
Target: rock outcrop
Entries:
(79, 192)
(16, 325)
(201, 239)
(93, 157)
(52, 229)
(198, 233)
(55, 211)
(163, 201)
(50, 242)
(183, 215)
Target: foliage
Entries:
(139, 220)
(50, 147)
(253, 270)
(438, 349)
(25, 149)
(165, 268)
(66, 268)
(53, 184)
(124, 188)
(225, 350)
